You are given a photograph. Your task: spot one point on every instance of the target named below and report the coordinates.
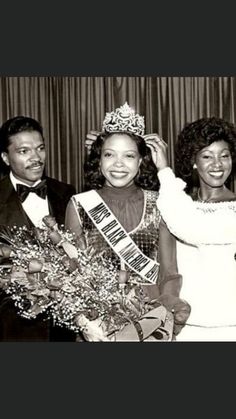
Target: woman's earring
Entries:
(194, 166)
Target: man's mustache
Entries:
(31, 166)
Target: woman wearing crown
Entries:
(118, 216)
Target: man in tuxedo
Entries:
(26, 196)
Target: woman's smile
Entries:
(118, 174)
(120, 160)
(217, 174)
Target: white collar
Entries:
(14, 181)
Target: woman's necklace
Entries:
(199, 197)
(204, 200)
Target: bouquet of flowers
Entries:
(49, 272)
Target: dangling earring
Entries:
(194, 166)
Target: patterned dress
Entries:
(136, 210)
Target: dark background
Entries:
(70, 107)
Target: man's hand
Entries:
(158, 149)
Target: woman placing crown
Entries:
(205, 225)
(120, 217)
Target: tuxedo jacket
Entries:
(12, 326)
(11, 209)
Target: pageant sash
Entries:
(116, 236)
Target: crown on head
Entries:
(124, 119)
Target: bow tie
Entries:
(23, 190)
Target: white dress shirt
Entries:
(34, 206)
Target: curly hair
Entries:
(197, 135)
(147, 176)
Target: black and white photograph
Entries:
(117, 209)
(115, 245)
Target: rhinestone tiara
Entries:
(124, 119)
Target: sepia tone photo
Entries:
(117, 209)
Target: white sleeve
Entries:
(185, 221)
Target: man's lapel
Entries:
(55, 202)
(11, 210)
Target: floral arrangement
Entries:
(51, 272)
